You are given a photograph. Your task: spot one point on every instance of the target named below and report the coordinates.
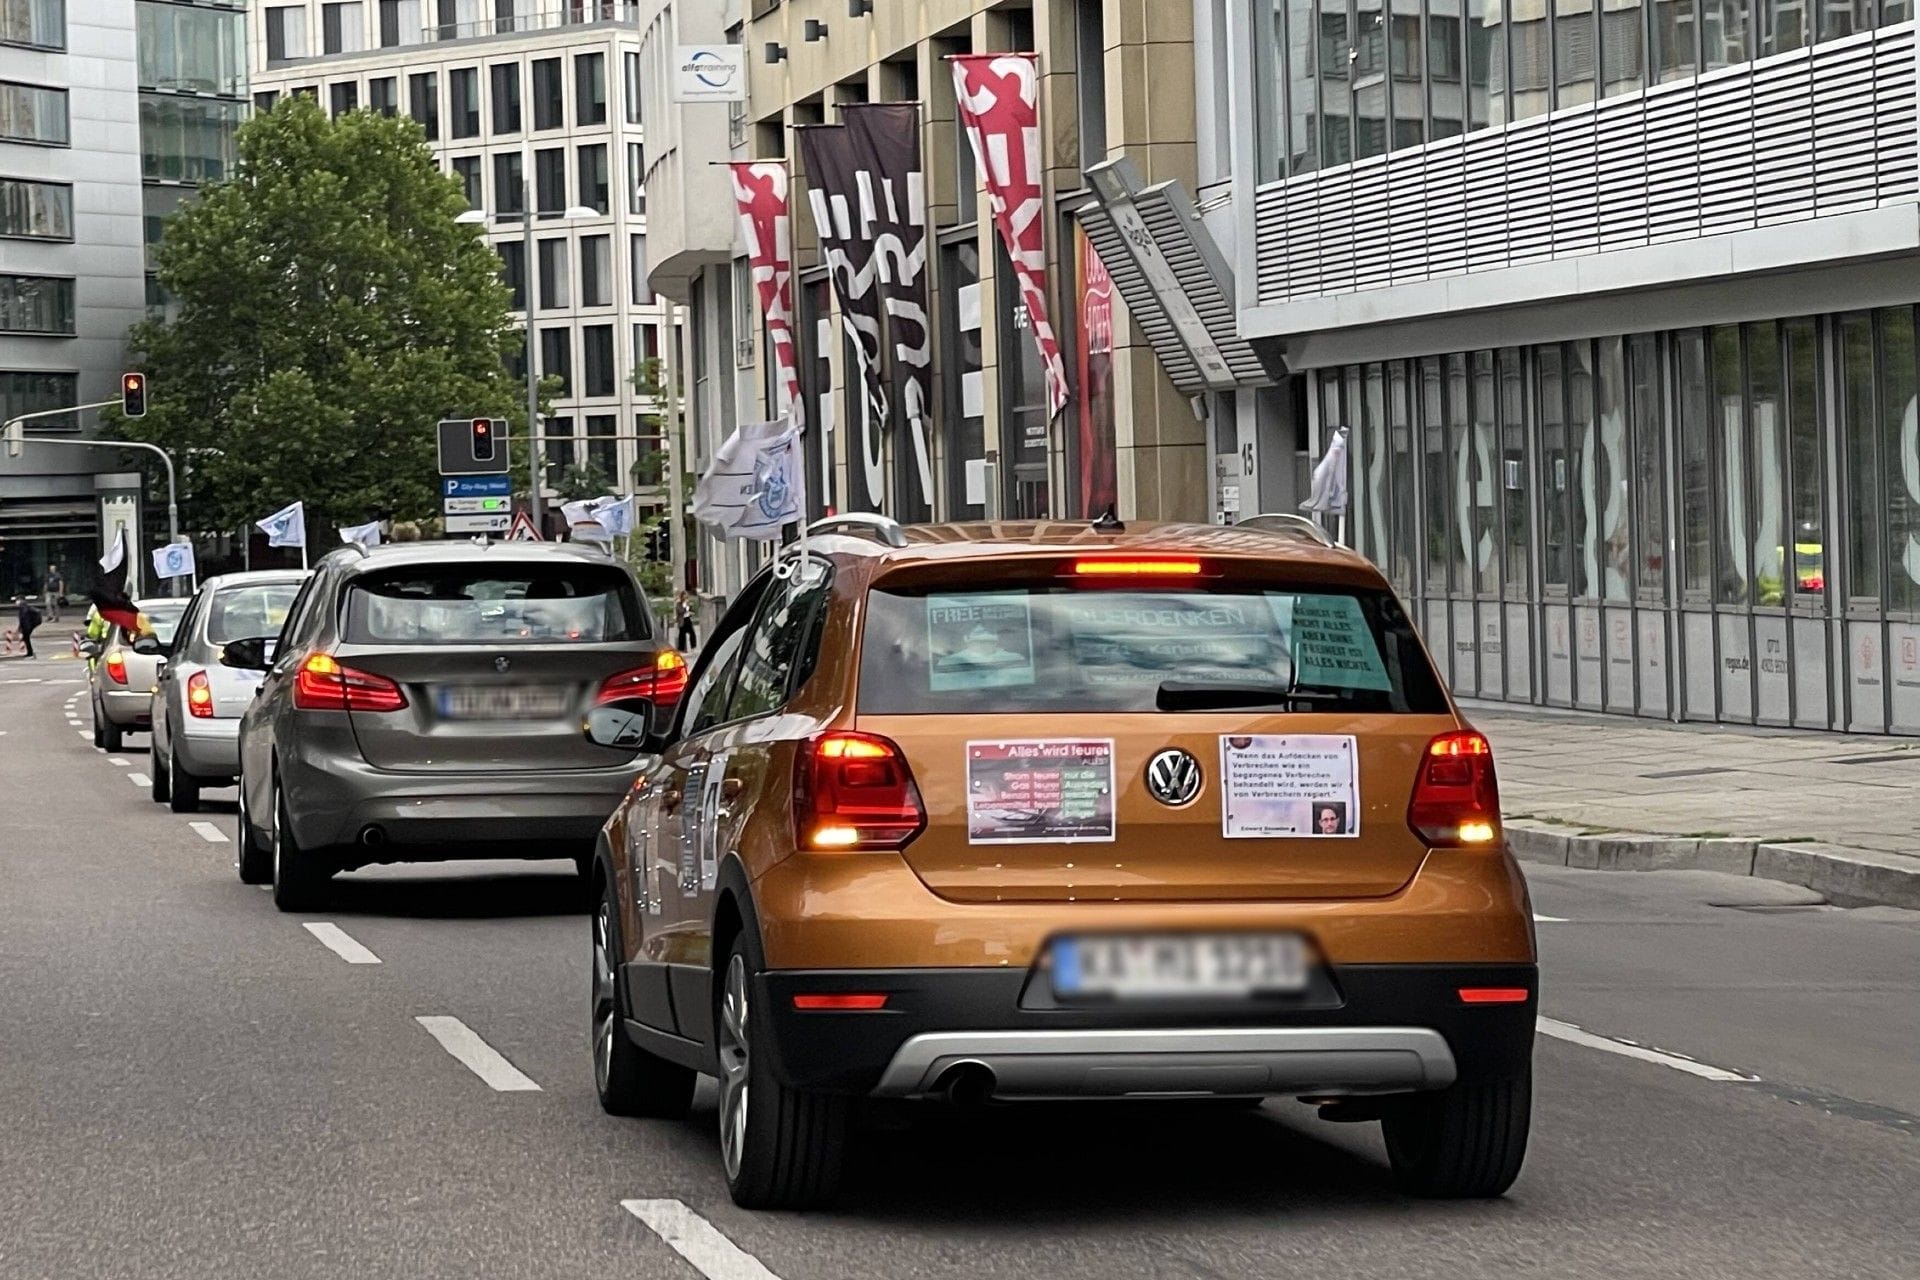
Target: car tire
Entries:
(629, 1080)
(112, 738)
(255, 862)
(1462, 1143)
(299, 877)
(99, 726)
(781, 1148)
(183, 786)
(159, 785)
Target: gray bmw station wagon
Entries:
(427, 701)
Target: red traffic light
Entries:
(483, 440)
(133, 395)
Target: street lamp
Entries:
(537, 468)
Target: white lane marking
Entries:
(139, 779)
(210, 833)
(1574, 1035)
(1540, 919)
(332, 936)
(83, 733)
(479, 1057)
(117, 761)
(264, 888)
(698, 1241)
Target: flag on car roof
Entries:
(109, 593)
(286, 527)
(757, 483)
(366, 535)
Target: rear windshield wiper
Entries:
(1226, 695)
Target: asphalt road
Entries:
(195, 1085)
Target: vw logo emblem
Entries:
(502, 664)
(1173, 777)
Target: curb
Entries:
(1844, 876)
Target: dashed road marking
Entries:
(117, 761)
(83, 733)
(139, 779)
(338, 941)
(1627, 1049)
(479, 1057)
(698, 1241)
(1540, 919)
(210, 833)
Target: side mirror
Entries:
(90, 647)
(149, 646)
(247, 655)
(622, 726)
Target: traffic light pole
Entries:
(15, 436)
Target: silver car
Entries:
(124, 671)
(198, 702)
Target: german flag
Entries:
(109, 594)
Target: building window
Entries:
(187, 139)
(596, 349)
(29, 391)
(553, 275)
(637, 265)
(383, 95)
(513, 271)
(636, 178)
(30, 113)
(390, 23)
(1696, 467)
(561, 445)
(590, 88)
(556, 355)
(593, 177)
(509, 183)
(341, 27)
(467, 169)
(463, 102)
(39, 23)
(286, 33)
(36, 304)
(423, 97)
(549, 101)
(596, 271)
(264, 100)
(550, 179)
(343, 97)
(506, 96)
(631, 86)
(1725, 32)
(191, 48)
(603, 451)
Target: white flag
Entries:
(175, 560)
(755, 486)
(616, 514)
(1329, 496)
(117, 553)
(286, 527)
(578, 512)
(367, 535)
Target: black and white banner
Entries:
(886, 146)
(845, 219)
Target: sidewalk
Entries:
(1838, 813)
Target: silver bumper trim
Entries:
(1224, 1061)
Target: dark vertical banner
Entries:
(1094, 444)
(845, 218)
(886, 146)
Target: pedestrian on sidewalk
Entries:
(28, 619)
(56, 592)
(687, 637)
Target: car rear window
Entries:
(162, 617)
(1070, 649)
(242, 613)
(495, 604)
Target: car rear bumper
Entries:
(1361, 1029)
(128, 708)
(208, 748)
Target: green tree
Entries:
(328, 311)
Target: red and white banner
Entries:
(760, 194)
(999, 100)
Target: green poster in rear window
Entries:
(1333, 647)
(1040, 791)
(982, 641)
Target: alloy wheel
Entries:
(733, 1065)
(605, 1014)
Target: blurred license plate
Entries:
(484, 702)
(1179, 965)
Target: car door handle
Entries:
(731, 788)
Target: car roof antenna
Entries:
(1109, 521)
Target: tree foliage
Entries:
(328, 311)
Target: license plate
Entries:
(482, 702)
(1179, 965)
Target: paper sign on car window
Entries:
(979, 641)
(1333, 646)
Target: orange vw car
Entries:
(995, 813)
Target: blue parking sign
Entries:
(475, 486)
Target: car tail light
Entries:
(323, 684)
(199, 696)
(116, 665)
(855, 791)
(1136, 567)
(841, 1002)
(1456, 799)
(1494, 995)
(661, 681)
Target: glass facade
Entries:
(32, 113)
(187, 139)
(1342, 80)
(1715, 523)
(192, 49)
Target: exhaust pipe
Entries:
(968, 1085)
(372, 837)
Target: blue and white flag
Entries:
(616, 514)
(367, 535)
(756, 485)
(286, 527)
(175, 560)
